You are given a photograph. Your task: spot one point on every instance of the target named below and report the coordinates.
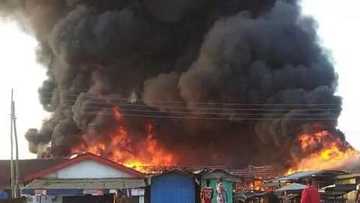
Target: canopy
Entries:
(292, 187)
(298, 175)
(310, 174)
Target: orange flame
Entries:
(250, 185)
(257, 185)
(123, 150)
(324, 152)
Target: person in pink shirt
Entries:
(311, 193)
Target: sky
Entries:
(21, 72)
(338, 28)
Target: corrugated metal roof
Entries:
(266, 171)
(26, 167)
(309, 174)
(292, 187)
(348, 176)
(340, 188)
(113, 183)
(79, 158)
(219, 173)
(36, 168)
(298, 175)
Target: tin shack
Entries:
(174, 186)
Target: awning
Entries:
(113, 183)
(298, 175)
(53, 192)
(310, 174)
(341, 188)
(292, 187)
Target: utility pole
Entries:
(12, 172)
(16, 173)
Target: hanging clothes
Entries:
(206, 194)
(221, 193)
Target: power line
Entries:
(250, 107)
(303, 113)
(229, 118)
(119, 98)
(201, 110)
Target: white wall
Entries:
(89, 169)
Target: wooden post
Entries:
(15, 174)
(12, 172)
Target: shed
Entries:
(174, 186)
(211, 178)
(76, 178)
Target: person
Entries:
(311, 193)
(220, 192)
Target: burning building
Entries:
(181, 82)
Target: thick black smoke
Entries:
(227, 81)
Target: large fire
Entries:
(121, 149)
(324, 151)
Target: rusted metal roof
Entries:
(38, 168)
(266, 171)
(112, 183)
(26, 168)
(77, 159)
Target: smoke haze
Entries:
(226, 82)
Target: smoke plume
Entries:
(223, 82)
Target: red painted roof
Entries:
(78, 159)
